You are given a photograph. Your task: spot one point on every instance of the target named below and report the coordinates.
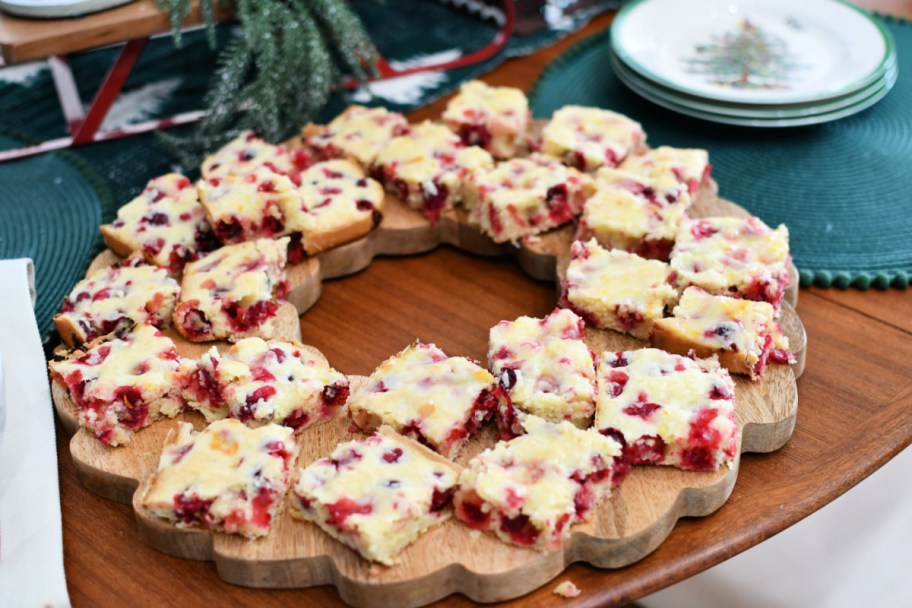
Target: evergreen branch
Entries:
(318, 70)
(263, 35)
(279, 73)
(343, 28)
(207, 10)
(233, 68)
(177, 12)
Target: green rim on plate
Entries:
(812, 116)
(659, 95)
(841, 187)
(624, 13)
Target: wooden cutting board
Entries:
(451, 558)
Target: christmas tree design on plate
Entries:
(745, 58)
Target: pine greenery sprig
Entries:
(277, 73)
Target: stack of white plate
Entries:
(760, 63)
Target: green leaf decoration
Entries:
(278, 73)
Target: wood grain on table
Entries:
(855, 397)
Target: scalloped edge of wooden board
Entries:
(628, 526)
(631, 524)
(767, 424)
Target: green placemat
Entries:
(51, 207)
(843, 188)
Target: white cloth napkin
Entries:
(31, 539)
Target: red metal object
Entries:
(486, 52)
(109, 91)
(84, 127)
(126, 131)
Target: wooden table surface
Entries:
(855, 400)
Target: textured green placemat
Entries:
(843, 188)
(50, 207)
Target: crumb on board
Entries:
(567, 589)
(474, 534)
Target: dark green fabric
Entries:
(843, 188)
(38, 196)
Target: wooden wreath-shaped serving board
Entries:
(450, 558)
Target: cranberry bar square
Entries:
(117, 297)
(357, 134)
(589, 138)
(615, 289)
(245, 153)
(688, 166)
(526, 196)
(249, 206)
(260, 382)
(635, 214)
(122, 384)
(234, 292)
(339, 204)
(166, 222)
(529, 491)
(730, 256)
(742, 333)
(426, 168)
(376, 495)
(227, 477)
(667, 409)
(421, 392)
(494, 118)
(545, 368)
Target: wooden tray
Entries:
(450, 558)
